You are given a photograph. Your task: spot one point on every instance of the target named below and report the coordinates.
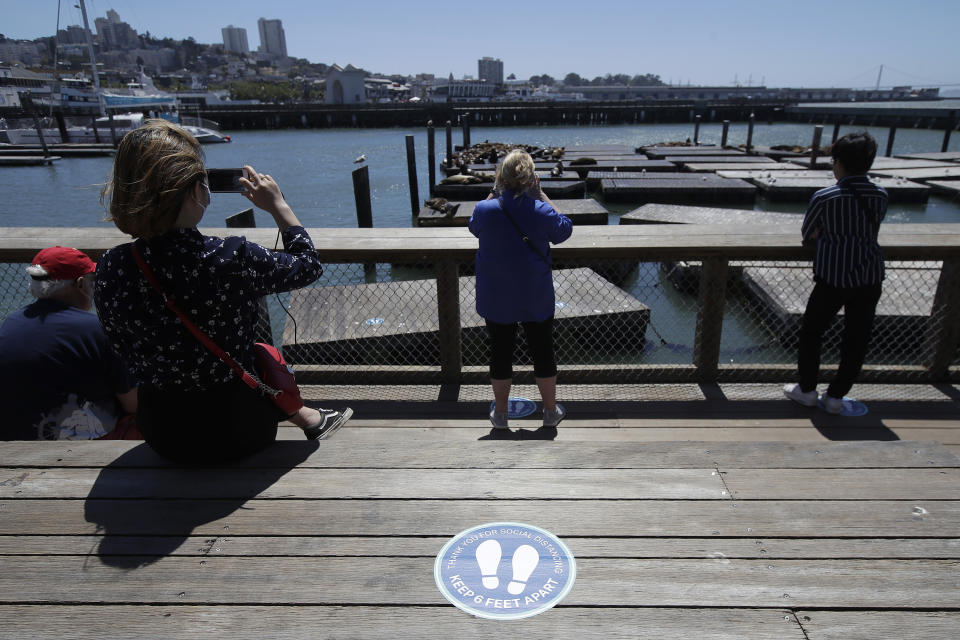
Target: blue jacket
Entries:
(514, 284)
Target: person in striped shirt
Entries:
(842, 221)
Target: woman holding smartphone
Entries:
(515, 226)
(193, 407)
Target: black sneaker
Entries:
(331, 423)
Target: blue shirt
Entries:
(848, 217)
(59, 377)
(216, 282)
(514, 284)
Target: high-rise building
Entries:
(490, 70)
(272, 38)
(235, 39)
(114, 33)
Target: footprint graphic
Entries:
(488, 557)
(525, 560)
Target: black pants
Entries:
(209, 426)
(503, 340)
(859, 306)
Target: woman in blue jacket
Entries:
(515, 225)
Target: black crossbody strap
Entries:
(526, 239)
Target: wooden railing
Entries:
(712, 245)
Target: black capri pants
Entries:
(503, 340)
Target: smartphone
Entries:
(225, 180)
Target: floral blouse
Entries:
(216, 282)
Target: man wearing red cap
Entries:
(59, 377)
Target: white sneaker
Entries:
(806, 398)
(499, 419)
(831, 404)
(553, 418)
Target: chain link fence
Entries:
(617, 319)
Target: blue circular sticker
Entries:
(851, 408)
(505, 570)
(518, 407)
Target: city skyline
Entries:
(746, 42)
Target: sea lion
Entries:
(557, 171)
(437, 204)
(582, 161)
(461, 178)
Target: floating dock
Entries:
(553, 189)
(748, 165)
(667, 153)
(921, 174)
(946, 156)
(363, 324)
(580, 211)
(656, 213)
(780, 292)
(801, 189)
(708, 189)
(948, 187)
(26, 160)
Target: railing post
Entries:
(943, 330)
(448, 313)
(710, 304)
(815, 145)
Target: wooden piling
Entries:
(946, 135)
(361, 195)
(815, 145)
(723, 136)
(62, 126)
(836, 132)
(890, 136)
(431, 158)
(412, 176)
(449, 161)
(465, 120)
(750, 133)
(27, 102)
(696, 131)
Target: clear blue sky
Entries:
(781, 43)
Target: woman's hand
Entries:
(534, 190)
(264, 192)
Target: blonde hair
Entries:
(155, 169)
(516, 172)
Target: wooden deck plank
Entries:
(683, 518)
(572, 433)
(843, 484)
(870, 625)
(714, 582)
(428, 546)
(401, 451)
(376, 623)
(438, 484)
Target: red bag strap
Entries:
(249, 380)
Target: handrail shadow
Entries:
(131, 498)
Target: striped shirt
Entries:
(847, 216)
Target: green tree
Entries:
(573, 80)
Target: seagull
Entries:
(362, 158)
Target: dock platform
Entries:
(709, 189)
(580, 211)
(553, 189)
(363, 324)
(802, 189)
(26, 160)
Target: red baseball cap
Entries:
(64, 263)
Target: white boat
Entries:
(97, 131)
(205, 131)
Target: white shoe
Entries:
(499, 419)
(806, 398)
(831, 404)
(553, 418)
